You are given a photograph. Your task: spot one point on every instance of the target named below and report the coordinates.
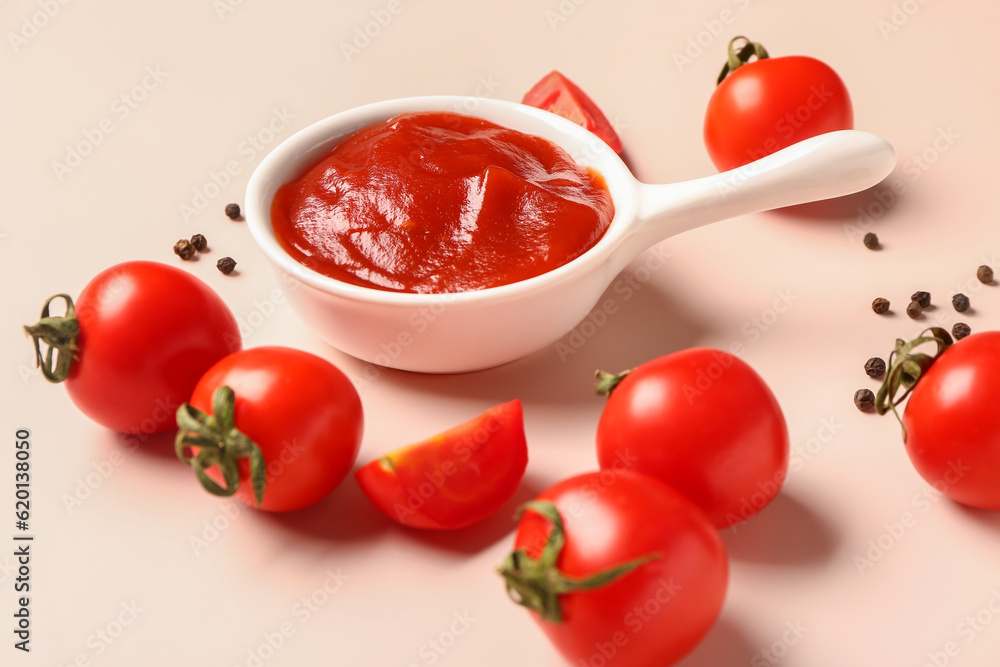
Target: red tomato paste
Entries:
(439, 202)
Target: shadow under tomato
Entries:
(155, 445)
(987, 518)
(481, 536)
(725, 644)
(786, 532)
(650, 323)
(344, 515)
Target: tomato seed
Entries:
(960, 330)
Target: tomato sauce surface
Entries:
(440, 202)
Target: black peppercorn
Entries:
(923, 298)
(875, 367)
(880, 305)
(864, 399)
(985, 274)
(961, 302)
(960, 330)
(184, 249)
(871, 241)
(226, 265)
(233, 211)
(199, 242)
(913, 309)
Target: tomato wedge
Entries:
(562, 97)
(455, 478)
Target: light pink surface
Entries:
(792, 288)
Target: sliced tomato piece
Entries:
(561, 96)
(455, 478)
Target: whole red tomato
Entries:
(278, 410)
(455, 478)
(952, 425)
(557, 94)
(762, 106)
(703, 421)
(135, 343)
(618, 569)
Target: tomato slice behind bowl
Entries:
(453, 479)
(557, 94)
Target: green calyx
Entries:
(60, 335)
(906, 367)
(537, 583)
(606, 382)
(740, 57)
(219, 443)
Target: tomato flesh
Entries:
(455, 478)
(653, 615)
(953, 426)
(555, 93)
(766, 105)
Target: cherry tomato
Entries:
(562, 97)
(704, 422)
(301, 413)
(952, 424)
(455, 478)
(135, 343)
(771, 103)
(646, 572)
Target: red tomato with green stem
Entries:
(767, 104)
(704, 422)
(278, 428)
(618, 569)
(455, 478)
(557, 94)
(951, 424)
(135, 343)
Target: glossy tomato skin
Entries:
(766, 105)
(658, 612)
(455, 478)
(555, 93)
(303, 413)
(703, 421)
(953, 424)
(148, 331)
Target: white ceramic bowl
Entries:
(467, 331)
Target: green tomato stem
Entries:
(606, 382)
(906, 367)
(220, 444)
(738, 58)
(537, 583)
(60, 334)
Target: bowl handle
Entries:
(821, 167)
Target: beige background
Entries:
(120, 578)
